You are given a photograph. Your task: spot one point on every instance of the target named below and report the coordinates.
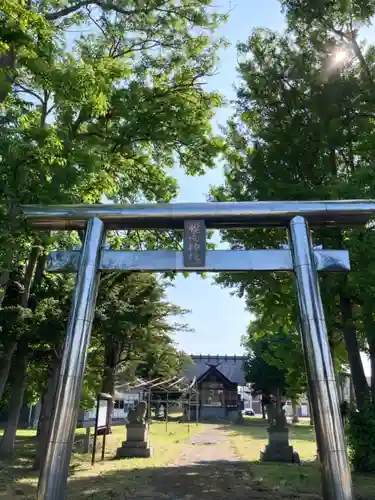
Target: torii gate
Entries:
(301, 258)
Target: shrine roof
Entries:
(232, 367)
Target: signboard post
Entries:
(102, 420)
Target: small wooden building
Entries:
(218, 380)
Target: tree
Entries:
(13, 324)
(283, 351)
(337, 25)
(17, 388)
(275, 361)
(164, 362)
(302, 131)
(21, 30)
(132, 323)
(131, 337)
(105, 116)
(266, 379)
(50, 319)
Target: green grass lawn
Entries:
(120, 479)
(18, 481)
(249, 439)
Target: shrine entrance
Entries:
(300, 257)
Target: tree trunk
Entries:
(39, 269)
(295, 417)
(7, 65)
(263, 410)
(16, 401)
(5, 363)
(278, 401)
(5, 273)
(6, 359)
(369, 325)
(361, 388)
(265, 402)
(38, 278)
(111, 359)
(108, 387)
(4, 280)
(108, 382)
(44, 423)
(310, 411)
(372, 364)
(29, 274)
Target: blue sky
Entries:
(218, 318)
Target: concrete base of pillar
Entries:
(134, 450)
(278, 448)
(136, 444)
(286, 454)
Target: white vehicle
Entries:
(249, 412)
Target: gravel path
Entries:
(207, 469)
(208, 446)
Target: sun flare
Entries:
(339, 56)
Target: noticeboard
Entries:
(102, 422)
(103, 408)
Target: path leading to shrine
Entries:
(211, 445)
(208, 462)
(190, 462)
(208, 468)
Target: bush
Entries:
(361, 438)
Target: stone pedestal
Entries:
(87, 441)
(239, 419)
(136, 444)
(278, 448)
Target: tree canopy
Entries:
(274, 361)
(303, 130)
(99, 99)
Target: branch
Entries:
(57, 355)
(123, 360)
(28, 91)
(351, 38)
(106, 6)
(360, 114)
(51, 109)
(53, 16)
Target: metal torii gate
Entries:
(301, 258)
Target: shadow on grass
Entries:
(209, 480)
(206, 480)
(18, 467)
(257, 429)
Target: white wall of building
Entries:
(122, 403)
